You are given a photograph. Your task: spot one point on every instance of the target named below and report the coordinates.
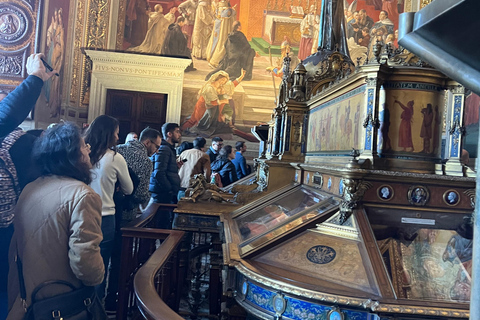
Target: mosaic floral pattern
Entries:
(298, 309)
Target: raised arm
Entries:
(14, 108)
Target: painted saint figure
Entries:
(8, 26)
(405, 131)
(202, 29)
(55, 55)
(136, 22)
(223, 25)
(210, 109)
(238, 56)
(157, 27)
(307, 28)
(188, 9)
(426, 131)
(384, 128)
(175, 43)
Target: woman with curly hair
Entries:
(57, 221)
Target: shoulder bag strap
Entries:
(21, 280)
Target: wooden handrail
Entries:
(149, 213)
(149, 302)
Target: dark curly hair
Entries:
(58, 152)
(101, 136)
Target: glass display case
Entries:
(279, 213)
(427, 258)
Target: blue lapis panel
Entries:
(369, 132)
(299, 309)
(455, 144)
(340, 187)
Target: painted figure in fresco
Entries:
(426, 131)
(384, 128)
(436, 130)
(137, 22)
(307, 27)
(188, 9)
(51, 33)
(175, 43)
(213, 97)
(405, 130)
(8, 26)
(238, 55)
(225, 15)
(460, 248)
(157, 27)
(202, 29)
(356, 121)
(390, 6)
(55, 54)
(383, 21)
(380, 30)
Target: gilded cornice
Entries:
(387, 175)
(423, 310)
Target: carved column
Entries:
(354, 190)
(293, 137)
(370, 122)
(455, 130)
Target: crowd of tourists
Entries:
(66, 194)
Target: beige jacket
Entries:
(197, 162)
(57, 234)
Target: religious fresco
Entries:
(369, 21)
(337, 124)
(48, 106)
(410, 120)
(437, 265)
(230, 36)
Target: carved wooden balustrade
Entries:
(151, 273)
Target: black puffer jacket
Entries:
(165, 177)
(227, 170)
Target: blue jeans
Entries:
(106, 247)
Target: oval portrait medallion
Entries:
(321, 254)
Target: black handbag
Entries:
(78, 304)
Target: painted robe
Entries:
(225, 16)
(202, 30)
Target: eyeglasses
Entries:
(156, 145)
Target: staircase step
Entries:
(263, 45)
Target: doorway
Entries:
(136, 110)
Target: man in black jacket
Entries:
(165, 181)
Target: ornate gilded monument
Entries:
(352, 212)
